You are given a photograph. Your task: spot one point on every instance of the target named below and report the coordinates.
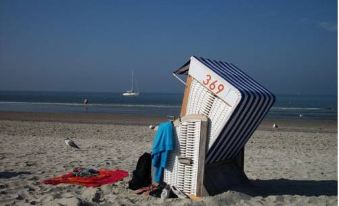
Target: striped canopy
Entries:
(249, 100)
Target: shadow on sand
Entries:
(289, 187)
(6, 175)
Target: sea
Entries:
(154, 104)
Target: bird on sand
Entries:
(70, 143)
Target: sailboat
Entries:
(131, 92)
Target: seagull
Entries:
(154, 127)
(70, 143)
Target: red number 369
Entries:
(213, 85)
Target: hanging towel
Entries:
(103, 177)
(163, 143)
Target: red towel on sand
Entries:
(104, 177)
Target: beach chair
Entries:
(234, 105)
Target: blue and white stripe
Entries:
(252, 108)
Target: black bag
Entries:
(142, 176)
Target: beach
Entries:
(294, 164)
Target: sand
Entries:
(295, 164)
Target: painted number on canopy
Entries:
(213, 85)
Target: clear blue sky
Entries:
(288, 46)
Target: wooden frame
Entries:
(186, 95)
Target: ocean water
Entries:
(153, 104)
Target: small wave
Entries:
(95, 104)
(76, 104)
(300, 108)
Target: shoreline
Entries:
(92, 118)
(143, 120)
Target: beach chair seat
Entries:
(185, 167)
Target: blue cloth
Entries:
(163, 143)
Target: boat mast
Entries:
(132, 82)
